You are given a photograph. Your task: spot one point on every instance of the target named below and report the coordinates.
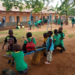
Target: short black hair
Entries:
(17, 48)
(29, 34)
(50, 32)
(45, 34)
(61, 28)
(10, 31)
(55, 31)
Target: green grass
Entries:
(71, 35)
(3, 32)
(64, 31)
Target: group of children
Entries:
(52, 43)
(18, 53)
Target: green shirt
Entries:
(73, 21)
(56, 38)
(29, 39)
(21, 65)
(39, 21)
(62, 36)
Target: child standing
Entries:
(10, 41)
(18, 55)
(30, 24)
(29, 38)
(56, 39)
(61, 24)
(62, 36)
(49, 47)
(45, 38)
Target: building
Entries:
(14, 16)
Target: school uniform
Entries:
(56, 38)
(49, 53)
(21, 65)
(62, 35)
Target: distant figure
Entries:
(0, 24)
(73, 21)
(3, 21)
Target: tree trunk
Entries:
(55, 18)
(66, 22)
(42, 17)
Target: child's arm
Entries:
(50, 44)
(54, 39)
(5, 41)
(3, 46)
(63, 36)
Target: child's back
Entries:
(19, 60)
(29, 38)
(18, 55)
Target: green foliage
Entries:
(12, 3)
(36, 5)
(66, 8)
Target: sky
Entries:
(55, 2)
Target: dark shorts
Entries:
(21, 72)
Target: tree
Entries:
(35, 5)
(12, 3)
(55, 9)
(66, 8)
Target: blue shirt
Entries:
(48, 44)
(29, 22)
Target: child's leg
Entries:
(9, 61)
(24, 48)
(49, 56)
(13, 63)
(30, 27)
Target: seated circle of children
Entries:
(49, 47)
(56, 39)
(62, 36)
(18, 55)
(27, 40)
(10, 40)
(45, 39)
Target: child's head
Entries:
(29, 34)
(55, 31)
(45, 35)
(10, 32)
(50, 33)
(60, 29)
(17, 48)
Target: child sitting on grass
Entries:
(29, 38)
(10, 41)
(18, 55)
(45, 39)
(56, 39)
(62, 36)
(49, 47)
